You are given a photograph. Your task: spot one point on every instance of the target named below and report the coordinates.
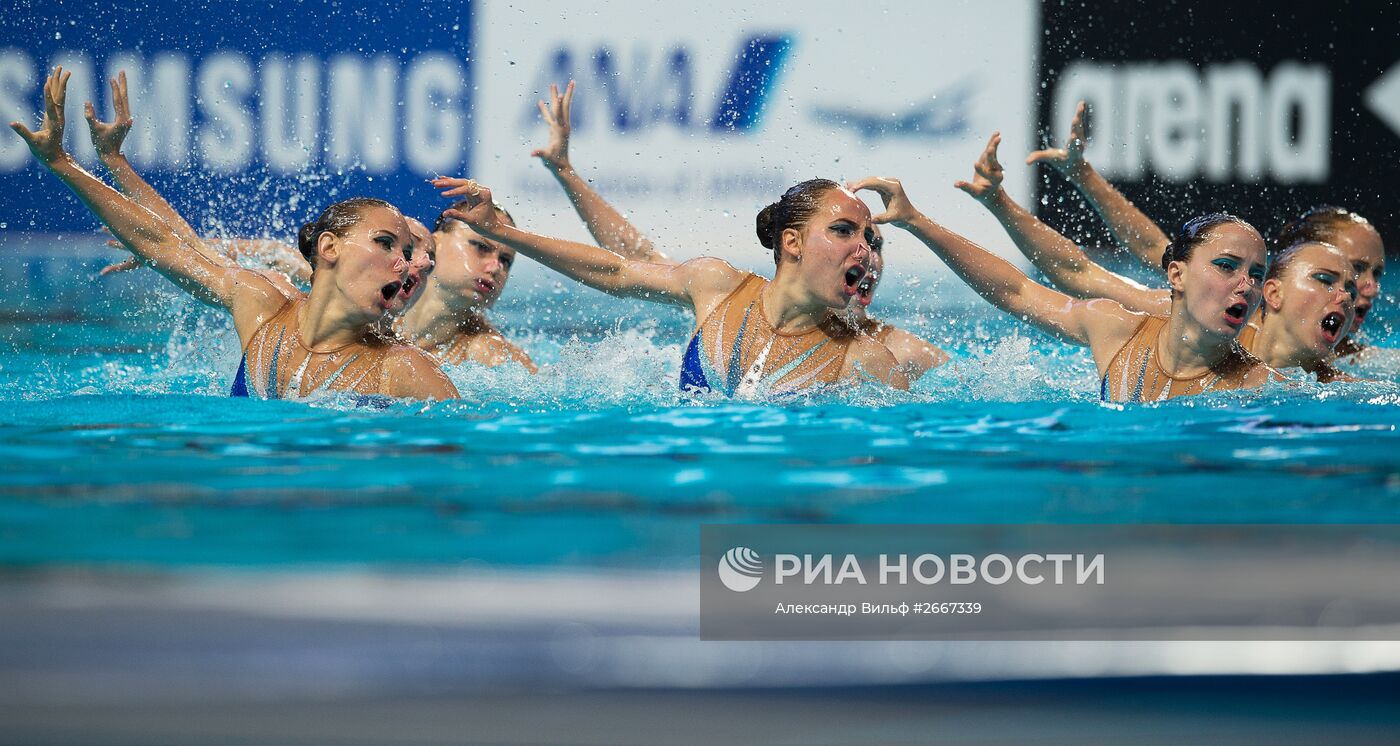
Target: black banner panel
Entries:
(1259, 110)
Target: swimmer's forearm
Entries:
(593, 266)
(132, 185)
(1129, 225)
(274, 254)
(140, 230)
(1062, 261)
(992, 277)
(999, 282)
(608, 227)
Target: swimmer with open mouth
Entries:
(754, 337)
(914, 354)
(1215, 265)
(1272, 334)
(326, 342)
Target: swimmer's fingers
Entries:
(1078, 131)
(107, 137)
(23, 132)
(454, 186)
(546, 113)
(449, 182)
(1048, 156)
(481, 216)
(891, 192)
(556, 115)
(456, 215)
(988, 165)
(95, 127)
(120, 101)
(477, 197)
(886, 188)
(122, 266)
(567, 117)
(47, 143)
(55, 95)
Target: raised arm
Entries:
(278, 256)
(609, 228)
(994, 278)
(693, 284)
(1130, 227)
(141, 230)
(1067, 266)
(107, 139)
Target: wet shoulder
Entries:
(1242, 370)
(914, 353)
(485, 347)
(867, 358)
(713, 281)
(410, 372)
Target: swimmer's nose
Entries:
(1368, 288)
(866, 255)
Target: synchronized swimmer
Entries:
(372, 303)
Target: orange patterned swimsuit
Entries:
(276, 364)
(737, 353)
(1135, 374)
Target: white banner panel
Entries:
(691, 119)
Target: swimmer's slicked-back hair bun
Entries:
(792, 210)
(1194, 233)
(1317, 223)
(337, 219)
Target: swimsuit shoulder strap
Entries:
(257, 333)
(1146, 331)
(1117, 376)
(746, 291)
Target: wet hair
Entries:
(337, 219)
(792, 210)
(1194, 233)
(444, 221)
(1321, 223)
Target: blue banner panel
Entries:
(249, 117)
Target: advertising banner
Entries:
(249, 117)
(691, 118)
(1220, 107)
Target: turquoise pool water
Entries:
(120, 450)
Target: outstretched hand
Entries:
(47, 143)
(899, 211)
(987, 173)
(557, 114)
(107, 137)
(125, 265)
(480, 213)
(1071, 156)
